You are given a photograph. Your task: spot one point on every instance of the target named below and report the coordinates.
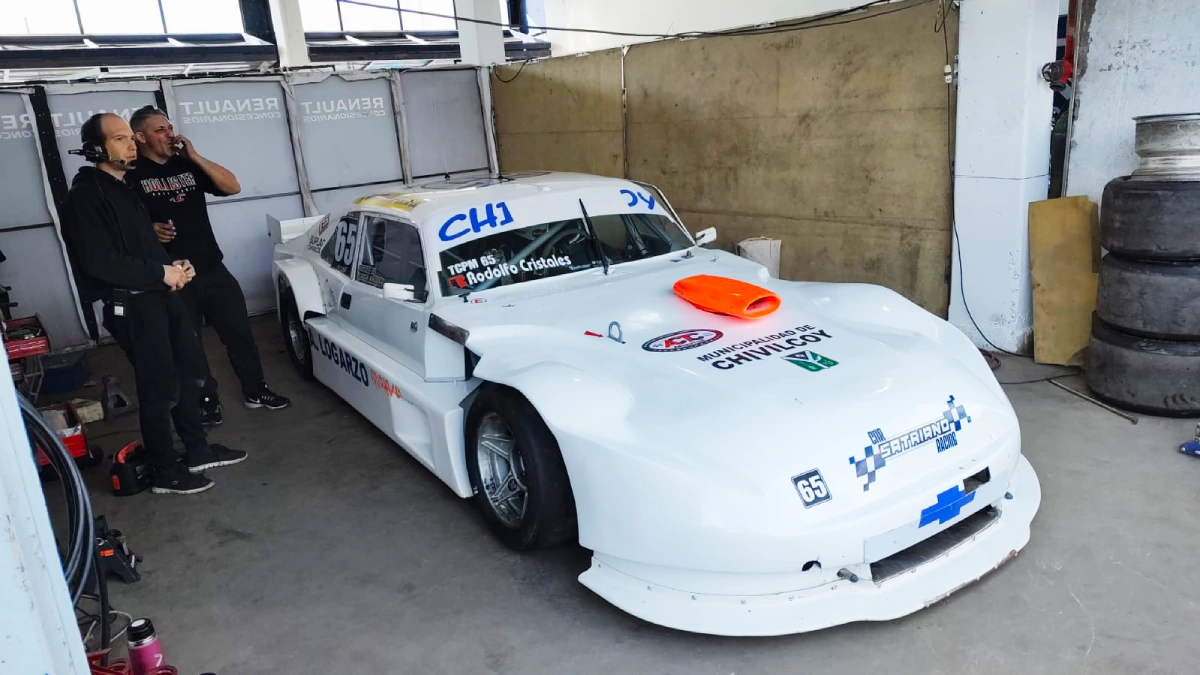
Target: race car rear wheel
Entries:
(295, 335)
(517, 471)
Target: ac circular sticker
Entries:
(683, 339)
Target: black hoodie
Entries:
(110, 238)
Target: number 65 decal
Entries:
(812, 488)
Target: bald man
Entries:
(116, 258)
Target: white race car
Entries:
(743, 455)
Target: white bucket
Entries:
(763, 251)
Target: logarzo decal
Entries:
(339, 357)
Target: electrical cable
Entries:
(753, 30)
(78, 562)
(515, 76)
(96, 618)
(1075, 370)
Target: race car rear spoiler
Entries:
(283, 230)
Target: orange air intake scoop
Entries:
(727, 296)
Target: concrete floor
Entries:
(331, 551)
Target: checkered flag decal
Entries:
(868, 465)
(955, 415)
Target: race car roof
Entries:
(462, 193)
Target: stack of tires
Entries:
(1144, 353)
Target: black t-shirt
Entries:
(174, 191)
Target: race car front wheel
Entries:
(295, 336)
(517, 471)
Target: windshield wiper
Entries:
(591, 228)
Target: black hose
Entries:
(78, 562)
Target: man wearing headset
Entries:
(116, 258)
(172, 179)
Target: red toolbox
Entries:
(61, 417)
(24, 337)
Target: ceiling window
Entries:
(120, 17)
(366, 16)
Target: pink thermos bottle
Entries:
(145, 652)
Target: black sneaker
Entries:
(215, 456)
(178, 480)
(210, 411)
(265, 398)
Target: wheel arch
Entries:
(561, 525)
(300, 278)
(540, 382)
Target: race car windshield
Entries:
(556, 248)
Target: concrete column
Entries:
(38, 631)
(1001, 164)
(289, 34)
(481, 45)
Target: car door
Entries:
(339, 257)
(391, 253)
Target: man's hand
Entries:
(174, 276)
(187, 268)
(165, 231)
(184, 147)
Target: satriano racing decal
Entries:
(943, 431)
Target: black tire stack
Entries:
(1144, 353)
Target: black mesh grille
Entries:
(933, 547)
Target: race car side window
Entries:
(339, 251)
(391, 254)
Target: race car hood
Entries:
(815, 385)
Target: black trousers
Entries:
(160, 340)
(216, 295)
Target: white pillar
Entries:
(38, 630)
(1001, 164)
(481, 44)
(289, 34)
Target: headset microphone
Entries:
(92, 152)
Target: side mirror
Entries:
(706, 236)
(403, 293)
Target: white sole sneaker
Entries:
(176, 491)
(216, 464)
(251, 405)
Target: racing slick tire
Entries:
(1150, 299)
(295, 335)
(1156, 377)
(517, 471)
(1151, 220)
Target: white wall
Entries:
(667, 17)
(1141, 60)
